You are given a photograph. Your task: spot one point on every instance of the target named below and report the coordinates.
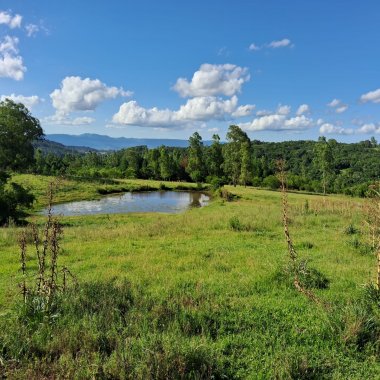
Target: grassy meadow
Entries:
(199, 295)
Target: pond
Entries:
(152, 201)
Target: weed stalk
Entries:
(22, 244)
(281, 173)
(47, 251)
(372, 218)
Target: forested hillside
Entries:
(46, 146)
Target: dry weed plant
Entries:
(293, 257)
(371, 212)
(47, 248)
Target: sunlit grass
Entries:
(197, 260)
(161, 249)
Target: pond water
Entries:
(152, 201)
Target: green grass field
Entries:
(207, 296)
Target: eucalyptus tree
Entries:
(165, 163)
(214, 158)
(324, 159)
(196, 165)
(246, 163)
(232, 153)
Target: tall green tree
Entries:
(324, 158)
(18, 130)
(166, 164)
(246, 164)
(153, 158)
(232, 153)
(214, 157)
(196, 165)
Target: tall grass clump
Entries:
(357, 323)
(351, 230)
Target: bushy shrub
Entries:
(272, 182)
(235, 224)
(13, 198)
(256, 181)
(215, 182)
(351, 230)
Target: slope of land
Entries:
(47, 146)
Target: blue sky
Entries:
(282, 70)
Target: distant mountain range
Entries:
(103, 142)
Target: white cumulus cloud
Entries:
(254, 47)
(212, 80)
(242, 111)
(8, 19)
(9, 45)
(206, 108)
(328, 128)
(31, 29)
(77, 94)
(278, 122)
(283, 110)
(82, 120)
(299, 123)
(199, 109)
(280, 43)
(131, 113)
(267, 122)
(369, 128)
(58, 119)
(11, 64)
(206, 92)
(342, 108)
(320, 122)
(28, 101)
(334, 103)
(285, 42)
(263, 113)
(338, 106)
(303, 109)
(372, 96)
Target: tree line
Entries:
(318, 166)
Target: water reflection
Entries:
(154, 201)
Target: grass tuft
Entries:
(309, 278)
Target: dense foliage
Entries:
(319, 166)
(18, 130)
